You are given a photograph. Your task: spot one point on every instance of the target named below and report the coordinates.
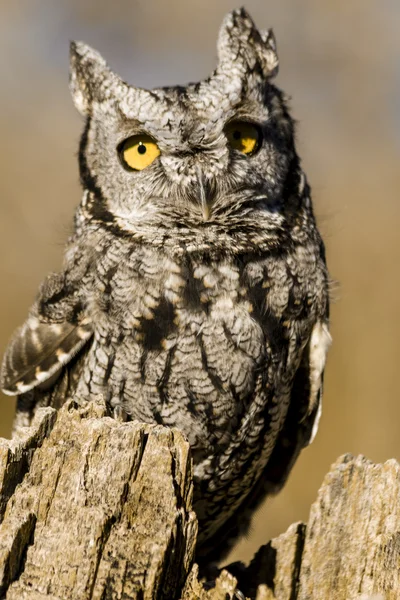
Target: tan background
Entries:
(340, 62)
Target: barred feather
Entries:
(39, 350)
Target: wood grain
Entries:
(93, 508)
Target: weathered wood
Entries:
(104, 512)
(352, 542)
(350, 548)
(93, 508)
(16, 455)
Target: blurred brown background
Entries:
(340, 62)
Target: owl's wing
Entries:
(312, 365)
(38, 350)
(54, 332)
(304, 412)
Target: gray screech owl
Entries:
(194, 291)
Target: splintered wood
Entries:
(104, 511)
(92, 508)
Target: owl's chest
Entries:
(176, 343)
(223, 315)
(156, 299)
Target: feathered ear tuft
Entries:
(268, 53)
(240, 41)
(88, 70)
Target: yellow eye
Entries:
(138, 152)
(243, 136)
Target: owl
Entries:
(194, 289)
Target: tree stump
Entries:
(94, 508)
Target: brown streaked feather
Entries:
(38, 351)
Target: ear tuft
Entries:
(269, 52)
(88, 69)
(240, 41)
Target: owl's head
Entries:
(208, 164)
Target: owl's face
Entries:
(198, 160)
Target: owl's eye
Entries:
(243, 136)
(138, 152)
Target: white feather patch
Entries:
(319, 345)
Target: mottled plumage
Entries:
(194, 292)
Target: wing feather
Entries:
(318, 349)
(38, 350)
(304, 412)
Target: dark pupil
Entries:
(142, 148)
(237, 135)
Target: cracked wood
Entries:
(93, 508)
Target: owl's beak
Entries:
(206, 210)
(204, 201)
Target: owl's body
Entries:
(194, 290)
